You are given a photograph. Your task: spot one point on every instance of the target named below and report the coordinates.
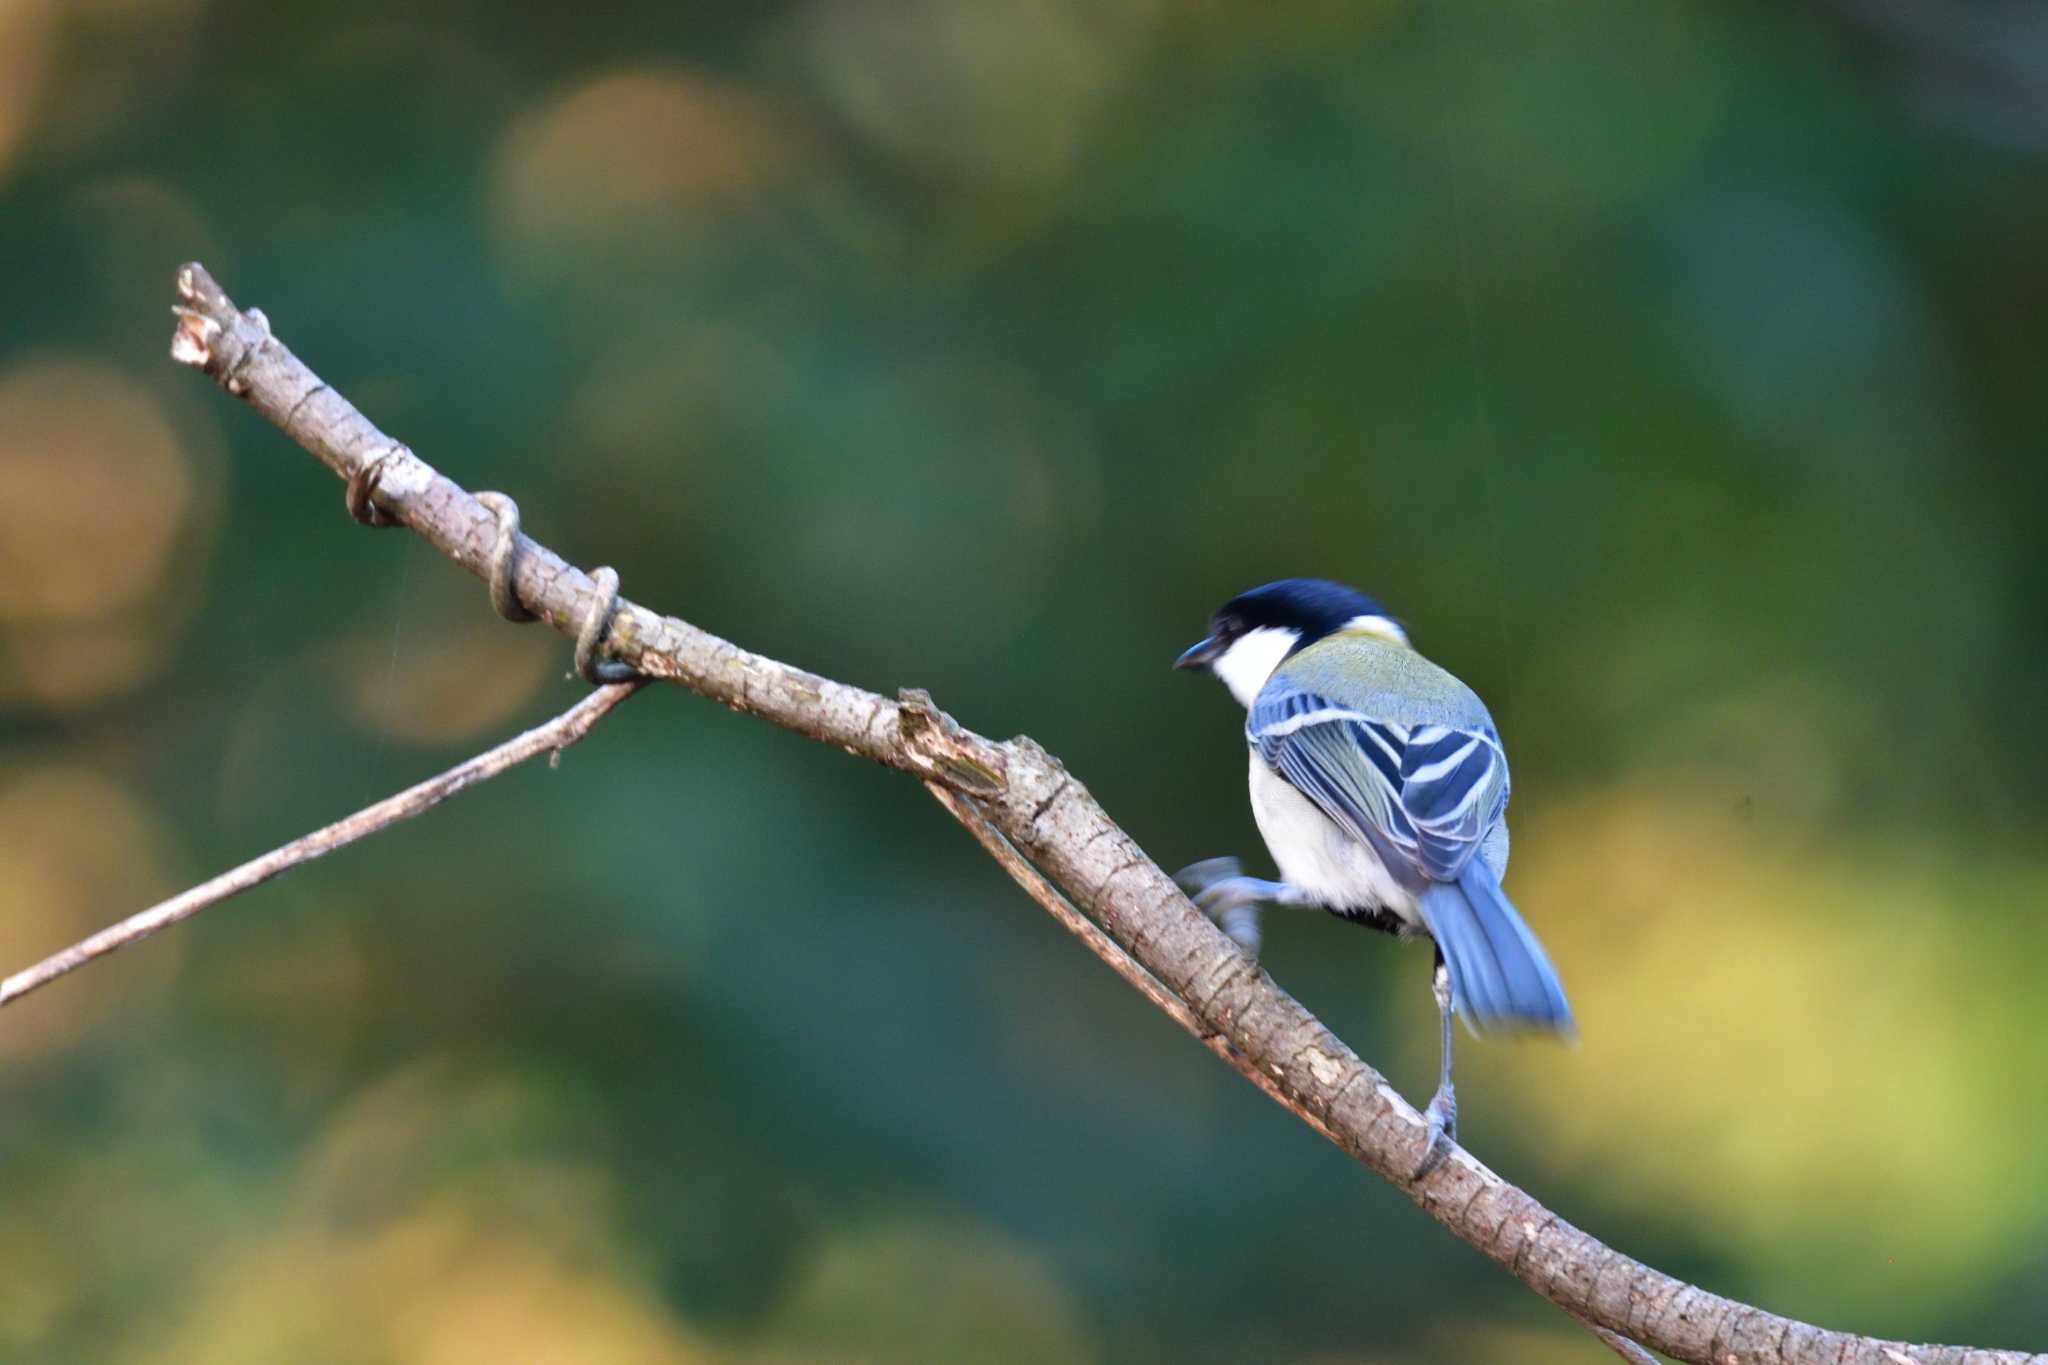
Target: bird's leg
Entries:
(1221, 891)
(1241, 924)
(1442, 1113)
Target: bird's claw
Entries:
(1220, 890)
(1218, 886)
(1230, 894)
(1197, 878)
(1241, 924)
(1442, 1118)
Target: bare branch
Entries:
(551, 738)
(1048, 819)
(1132, 971)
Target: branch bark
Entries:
(551, 738)
(1061, 838)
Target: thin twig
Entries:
(553, 737)
(1622, 1346)
(1048, 817)
(1617, 1343)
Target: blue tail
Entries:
(1499, 974)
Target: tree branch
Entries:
(1103, 946)
(1048, 819)
(551, 738)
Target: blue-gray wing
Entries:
(1427, 793)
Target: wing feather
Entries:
(1427, 793)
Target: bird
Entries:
(1380, 786)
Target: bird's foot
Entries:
(1220, 890)
(1240, 923)
(1442, 1118)
(1197, 878)
(1218, 886)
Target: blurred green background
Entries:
(1675, 369)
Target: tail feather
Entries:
(1500, 976)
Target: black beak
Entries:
(1201, 654)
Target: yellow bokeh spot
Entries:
(26, 60)
(640, 156)
(935, 1288)
(443, 671)
(1776, 1032)
(41, 1287)
(1008, 98)
(79, 854)
(451, 1214)
(66, 666)
(509, 1302)
(108, 519)
(444, 1285)
(90, 454)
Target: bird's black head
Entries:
(1315, 607)
(1251, 633)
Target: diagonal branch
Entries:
(1047, 818)
(551, 738)
(1111, 952)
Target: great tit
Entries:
(1380, 786)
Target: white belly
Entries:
(1338, 871)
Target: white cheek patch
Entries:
(1251, 659)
